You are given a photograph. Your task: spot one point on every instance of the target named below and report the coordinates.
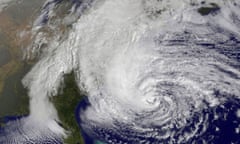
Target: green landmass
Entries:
(207, 10)
(66, 103)
(14, 100)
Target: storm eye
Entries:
(151, 100)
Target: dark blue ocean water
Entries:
(225, 129)
(83, 104)
(227, 124)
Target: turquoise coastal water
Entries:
(99, 142)
(83, 104)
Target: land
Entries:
(66, 104)
(14, 100)
(13, 97)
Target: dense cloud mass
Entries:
(151, 68)
(149, 74)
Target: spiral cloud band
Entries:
(149, 68)
(147, 75)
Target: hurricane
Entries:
(149, 75)
(155, 71)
